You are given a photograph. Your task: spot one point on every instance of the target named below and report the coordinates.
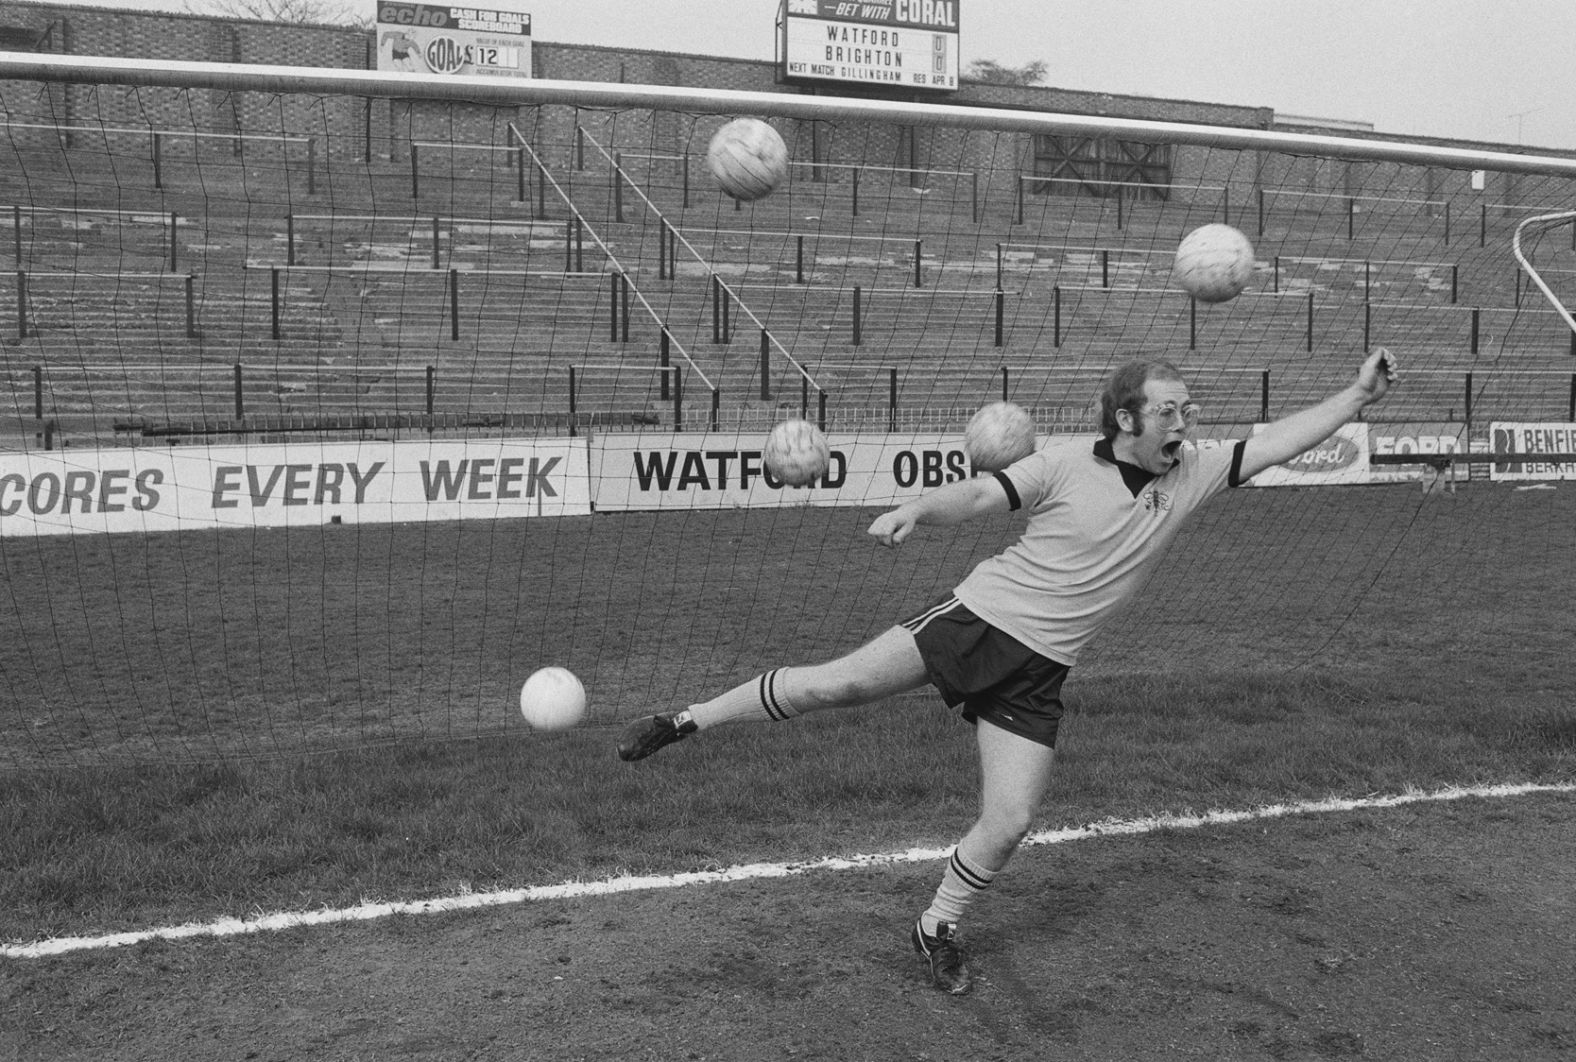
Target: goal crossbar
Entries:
(514, 92)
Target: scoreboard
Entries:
(902, 43)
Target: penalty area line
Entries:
(227, 927)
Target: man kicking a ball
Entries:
(1002, 643)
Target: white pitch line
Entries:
(226, 927)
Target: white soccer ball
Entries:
(1214, 262)
(748, 158)
(553, 699)
(796, 453)
(999, 434)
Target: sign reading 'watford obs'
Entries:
(723, 470)
(83, 491)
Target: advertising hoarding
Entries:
(147, 489)
(493, 41)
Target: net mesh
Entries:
(198, 267)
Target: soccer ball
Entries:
(796, 453)
(748, 159)
(553, 699)
(999, 434)
(1213, 263)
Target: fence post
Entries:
(191, 306)
(919, 250)
(1476, 317)
(274, 299)
(892, 398)
(38, 391)
(415, 181)
(1006, 388)
(174, 243)
(1367, 325)
(1310, 323)
(432, 388)
(618, 186)
(16, 233)
(858, 299)
(158, 170)
(1001, 316)
(240, 401)
(614, 281)
(1192, 323)
(664, 360)
(1264, 397)
(1260, 192)
(290, 258)
(974, 196)
(766, 365)
(799, 260)
(820, 409)
(454, 304)
(311, 165)
(1056, 318)
(21, 304)
(1105, 268)
(856, 191)
(1455, 281)
(437, 237)
(678, 398)
(623, 311)
(572, 403)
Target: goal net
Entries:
(336, 404)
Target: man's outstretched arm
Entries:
(943, 507)
(1305, 429)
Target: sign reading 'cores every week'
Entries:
(145, 489)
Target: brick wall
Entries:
(343, 124)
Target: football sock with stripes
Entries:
(763, 697)
(961, 885)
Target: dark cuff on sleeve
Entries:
(1235, 478)
(1013, 501)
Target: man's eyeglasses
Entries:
(1171, 416)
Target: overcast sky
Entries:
(1499, 70)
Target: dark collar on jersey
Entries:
(1134, 478)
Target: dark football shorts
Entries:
(991, 674)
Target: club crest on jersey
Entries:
(1157, 501)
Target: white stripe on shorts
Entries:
(919, 622)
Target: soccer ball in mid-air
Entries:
(748, 158)
(998, 434)
(1213, 263)
(796, 453)
(553, 699)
